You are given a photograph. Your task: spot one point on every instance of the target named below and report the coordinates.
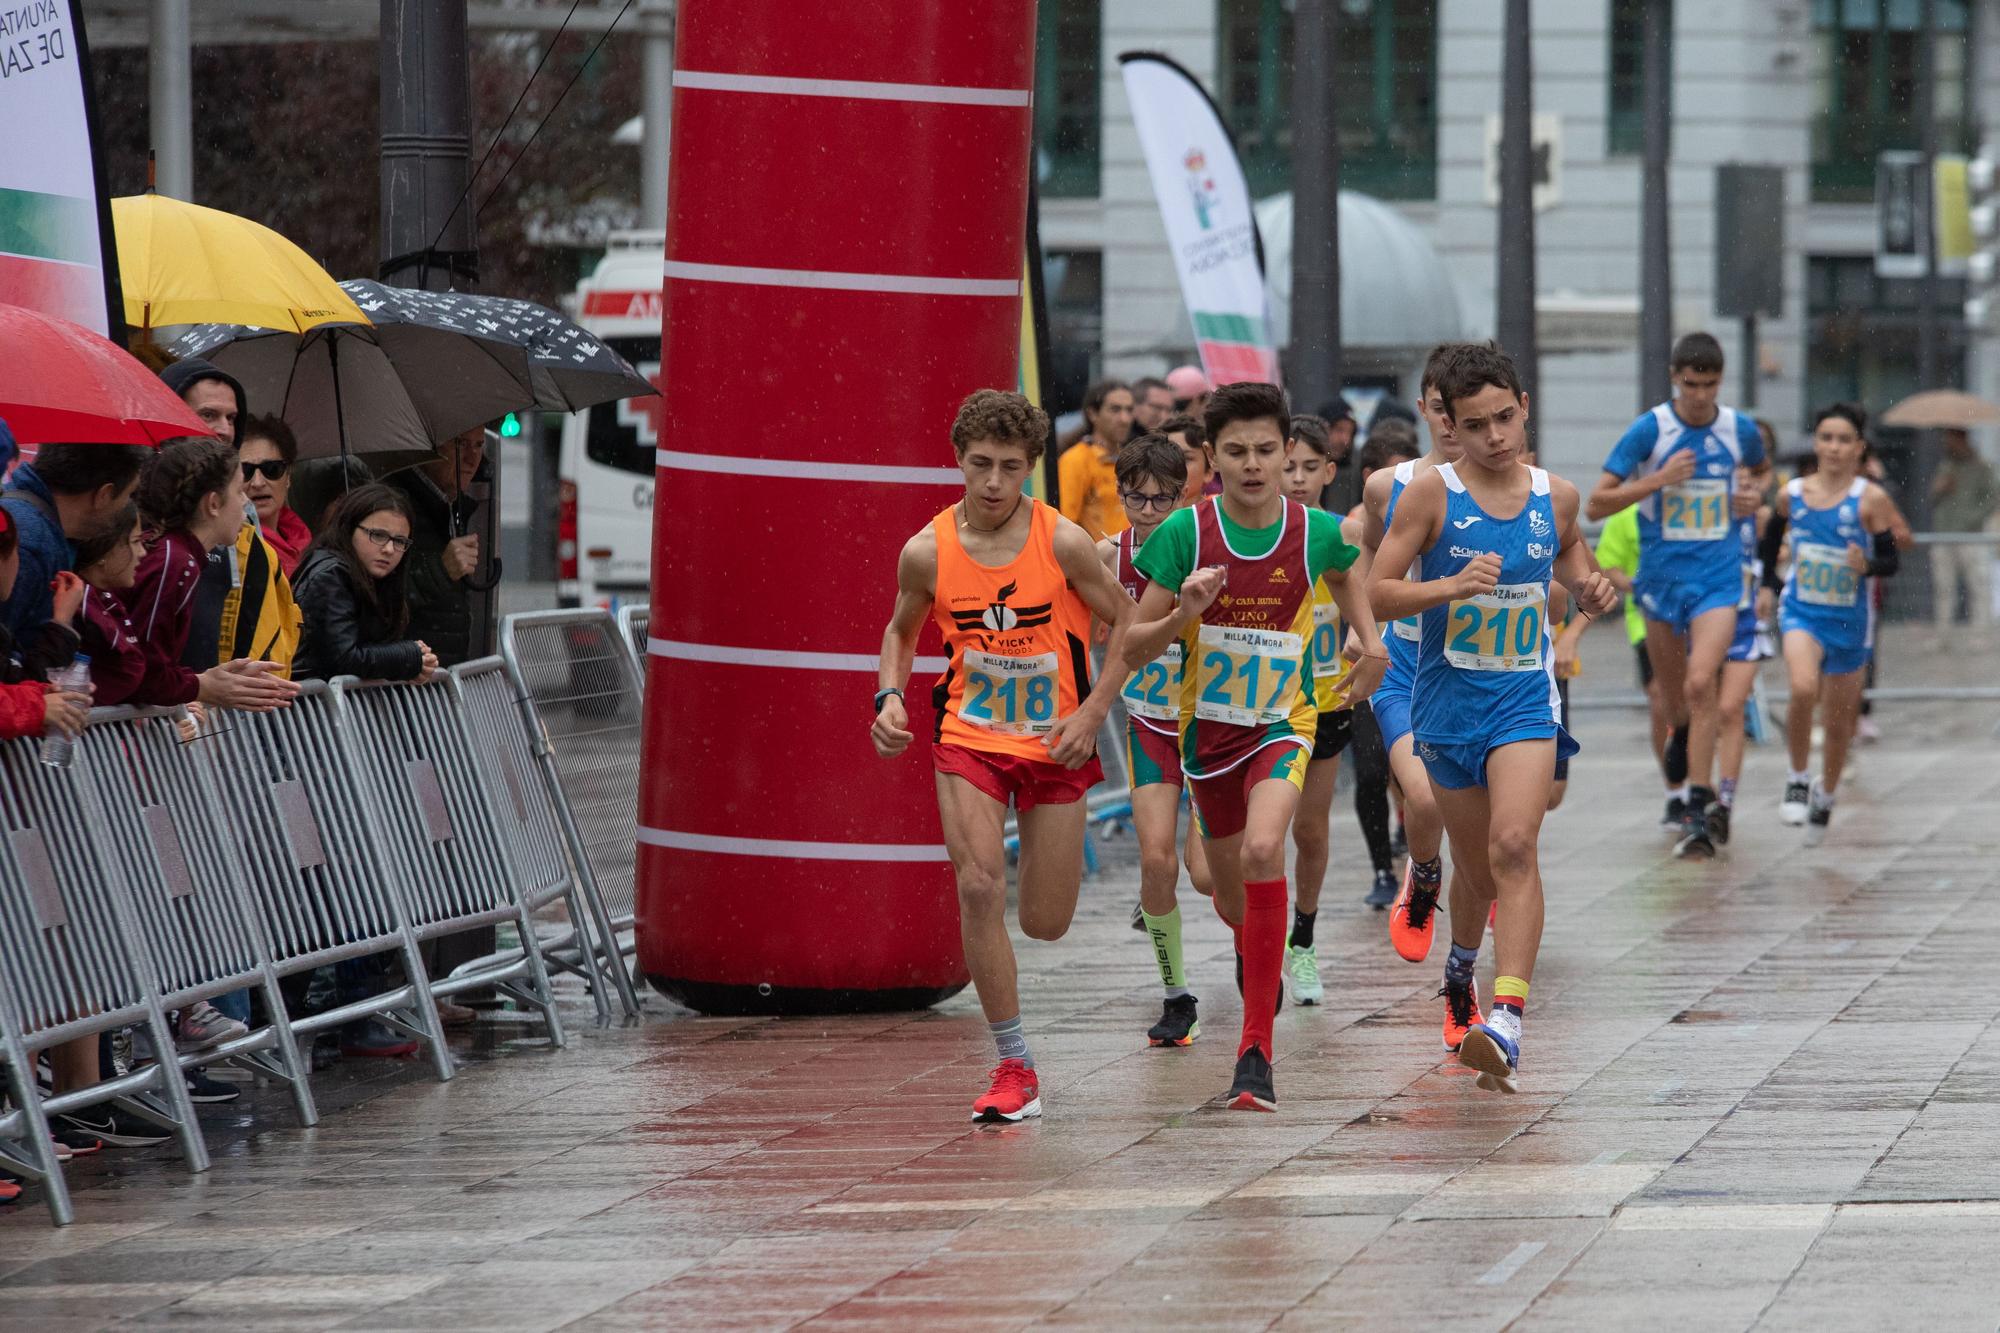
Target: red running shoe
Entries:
(1461, 1011)
(1413, 920)
(1016, 1094)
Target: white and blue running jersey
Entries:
(1485, 670)
(1824, 595)
(1686, 532)
(1401, 635)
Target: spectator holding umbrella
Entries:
(1964, 496)
(444, 550)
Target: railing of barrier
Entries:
(440, 828)
(317, 873)
(75, 966)
(633, 624)
(157, 797)
(583, 941)
(582, 695)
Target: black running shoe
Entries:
(1178, 1025)
(206, 1091)
(118, 1129)
(1694, 844)
(1139, 916)
(1718, 824)
(1819, 815)
(1251, 1089)
(1239, 986)
(1676, 813)
(1382, 892)
(1793, 809)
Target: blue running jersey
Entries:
(1824, 595)
(1402, 635)
(1485, 673)
(1686, 533)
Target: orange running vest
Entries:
(1016, 637)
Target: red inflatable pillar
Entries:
(844, 241)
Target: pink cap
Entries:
(1188, 382)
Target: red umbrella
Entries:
(60, 383)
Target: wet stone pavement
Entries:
(1763, 1092)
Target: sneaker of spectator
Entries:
(202, 1025)
(78, 1142)
(206, 1091)
(10, 1188)
(373, 1039)
(109, 1125)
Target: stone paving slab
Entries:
(1759, 1094)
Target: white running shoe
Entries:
(1303, 964)
(1793, 808)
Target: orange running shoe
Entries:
(1461, 1011)
(1413, 919)
(1015, 1095)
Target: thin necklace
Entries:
(965, 516)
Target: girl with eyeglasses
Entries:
(352, 586)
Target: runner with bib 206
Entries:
(1844, 531)
(1012, 586)
(1232, 579)
(1491, 533)
(1678, 464)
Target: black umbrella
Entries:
(569, 368)
(386, 392)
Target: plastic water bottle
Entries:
(58, 750)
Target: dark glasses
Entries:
(1138, 501)
(272, 468)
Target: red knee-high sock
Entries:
(1265, 917)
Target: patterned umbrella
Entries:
(570, 369)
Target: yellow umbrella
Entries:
(180, 263)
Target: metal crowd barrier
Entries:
(76, 967)
(582, 695)
(317, 869)
(157, 796)
(441, 829)
(581, 940)
(633, 625)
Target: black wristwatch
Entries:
(880, 695)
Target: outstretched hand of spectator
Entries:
(68, 590)
(430, 664)
(246, 685)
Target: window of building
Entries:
(1861, 333)
(1385, 65)
(1067, 103)
(1073, 282)
(1864, 88)
(1625, 114)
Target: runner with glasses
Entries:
(1152, 477)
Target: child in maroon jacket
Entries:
(191, 498)
(109, 566)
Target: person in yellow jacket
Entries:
(243, 606)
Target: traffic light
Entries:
(1982, 266)
(510, 426)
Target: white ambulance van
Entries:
(605, 529)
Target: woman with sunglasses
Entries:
(351, 585)
(269, 449)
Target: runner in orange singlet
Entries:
(1012, 585)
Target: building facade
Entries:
(1817, 87)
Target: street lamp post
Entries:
(1514, 289)
(1315, 374)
